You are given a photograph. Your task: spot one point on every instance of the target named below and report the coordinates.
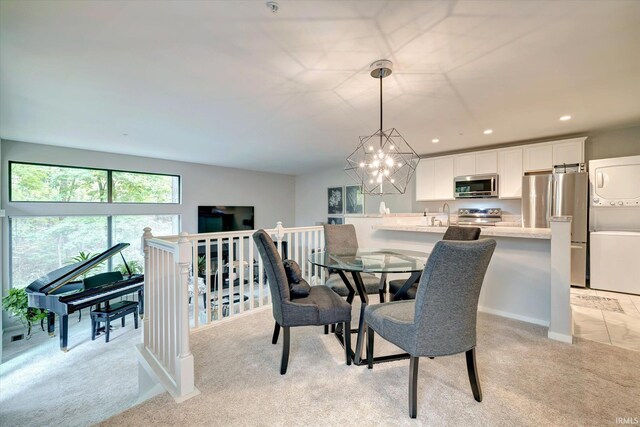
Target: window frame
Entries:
(109, 185)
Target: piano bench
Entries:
(115, 311)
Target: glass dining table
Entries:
(370, 260)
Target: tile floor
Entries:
(608, 327)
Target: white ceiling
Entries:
(230, 83)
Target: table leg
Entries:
(402, 293)
(364, 300)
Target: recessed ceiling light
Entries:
(565, 118)
(435, 140)
(488, 131)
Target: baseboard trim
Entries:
(560, 337)
(508, 315)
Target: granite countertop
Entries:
(516, 232)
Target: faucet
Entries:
(448, 210)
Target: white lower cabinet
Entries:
(510, 173)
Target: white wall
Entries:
(311, 196)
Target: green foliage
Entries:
(16, 304)
(57, 184)
(202, 265)
(135, 266)
(85, 256)
(144, 188)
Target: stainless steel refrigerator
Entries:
(553, 194)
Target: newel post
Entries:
(279, 235)
(184, 362)
(146, 235)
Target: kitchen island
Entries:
(524, 280)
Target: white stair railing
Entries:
(194, 281)
(165, 356)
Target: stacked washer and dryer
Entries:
(614, 224)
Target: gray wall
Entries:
(270, 194)
(311, 197)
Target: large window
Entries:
(31, 182)
(40, 245)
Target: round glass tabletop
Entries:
(370, 260)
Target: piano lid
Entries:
(57, 278)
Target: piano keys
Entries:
(60, 293)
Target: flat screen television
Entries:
(213, 219)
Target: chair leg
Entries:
(285, 351)
(413, 386)
(326, 329)
(370, 336)
(347, 341)
(472, 369)
(276, 333)
(333, 328)
(135, 319)
(93, 328)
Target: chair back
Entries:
(447, 297)
(455, 232)
(276, 275)
(339, 238)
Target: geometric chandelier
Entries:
(383, 162)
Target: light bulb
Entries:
(399, 165)
(375, 172)
(361, 164)
(386, 172)
(393, 180)
(376, 163)
(370, 181)
(381, 155)
(371, 148)
(389, 162)
(392, 147)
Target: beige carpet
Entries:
(526, 378)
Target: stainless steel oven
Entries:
(476, 186)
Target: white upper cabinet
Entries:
(464, 164)
(545, 156)
(510, 173)
(568, 151)
(434, 179)
(443, 176)
(538, 157)
(479, 163)
(425, 185)
(487, 162)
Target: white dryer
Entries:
(614, 224)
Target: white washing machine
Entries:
(615, 261)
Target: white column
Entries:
(184, 363)
(560, 323)
(147, 283)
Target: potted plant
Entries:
(15, 303)
(202, 266)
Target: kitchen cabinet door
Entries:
(486, 162)
(538, 157)
(464, 164)
(510, 174)
(425, 184)
(443, 177)
(568, 151)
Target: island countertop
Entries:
(515, 232)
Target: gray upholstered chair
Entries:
(441, 321)
(342, 238)
(321, 307)
(453, 233)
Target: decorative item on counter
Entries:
(388, 211)
(383, 208)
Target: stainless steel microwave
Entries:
(475, 186)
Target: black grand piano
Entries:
(58, 293)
